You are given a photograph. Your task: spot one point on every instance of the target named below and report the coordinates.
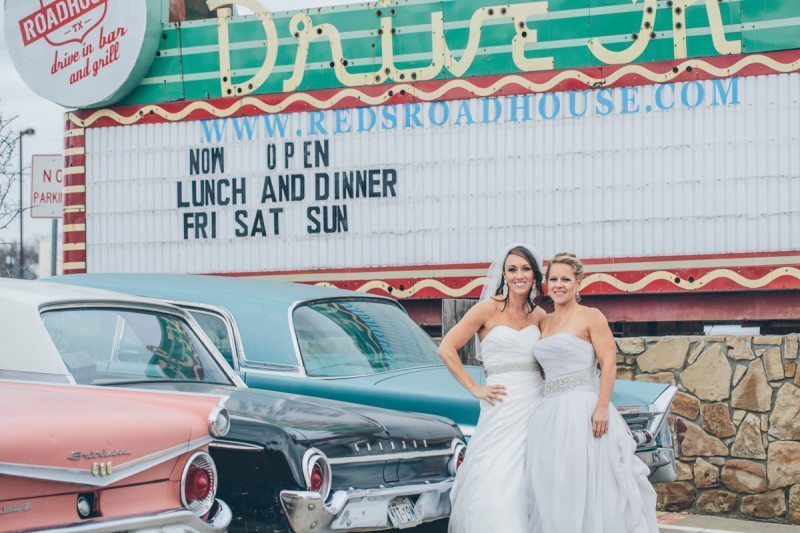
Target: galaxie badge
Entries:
(76, 455)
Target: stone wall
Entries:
(735, 421)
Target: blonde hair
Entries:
(566, 258)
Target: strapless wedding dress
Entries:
(579, 483)
(489, 490)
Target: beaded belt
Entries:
(582, 379)
(514, 367)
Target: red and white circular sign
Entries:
(82, 53)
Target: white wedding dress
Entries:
(579, 483)
(489, 490)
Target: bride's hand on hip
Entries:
(489, 393)
(600, 421)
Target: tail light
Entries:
(199, 483)
(317, 472)
(642, 437)
(459, 452)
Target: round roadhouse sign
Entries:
(82, 53)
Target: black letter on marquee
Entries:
(241, 231)
(313, 225)
(275, 212)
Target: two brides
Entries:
(548, 455)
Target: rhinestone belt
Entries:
(513, 367)
(582, 379)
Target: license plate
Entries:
(402, 513)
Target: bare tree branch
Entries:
(9, 173)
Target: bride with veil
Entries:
(489, 490)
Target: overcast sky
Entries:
(47, 118)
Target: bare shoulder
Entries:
(484, 308)
(594, 316)
(539, 313)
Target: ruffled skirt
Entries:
(581, 484)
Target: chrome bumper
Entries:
(171, 521)
(661, 462)
(362, 509)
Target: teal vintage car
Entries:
(355, 347)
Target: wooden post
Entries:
(452, 311)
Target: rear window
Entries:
(115, 346)
(357, 337)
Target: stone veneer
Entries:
(735, 421)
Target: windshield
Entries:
(113, 346)
(357, 337)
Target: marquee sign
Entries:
(392, 147)
(83, 53)
(411, 42)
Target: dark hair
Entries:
(533, 299)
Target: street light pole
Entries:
(29, 131)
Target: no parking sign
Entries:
(47, 186)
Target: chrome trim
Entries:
(236, 445)
(663, 470)
(181, 520)
(311, 457)
(119, 333)
(38, 377)
(227, 319)
(629, 410)
(214, 415)
(85, 477)
(399, 456)
(301, 366)
(276, 369)
(467, 430)
(660, 409)
(458, 448)
(362, 509)
(653, 458)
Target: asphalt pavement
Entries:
(688, 523)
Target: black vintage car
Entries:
(288, 461)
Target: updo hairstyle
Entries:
(566, 258)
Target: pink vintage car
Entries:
(78, 458)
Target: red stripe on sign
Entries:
(54, 16)
(74, 217)
(77, 160)
(73, 201)
(74, 179)
(227, 107)
(74, 198)
(75, 256)
(77, 141)
(75, 237)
